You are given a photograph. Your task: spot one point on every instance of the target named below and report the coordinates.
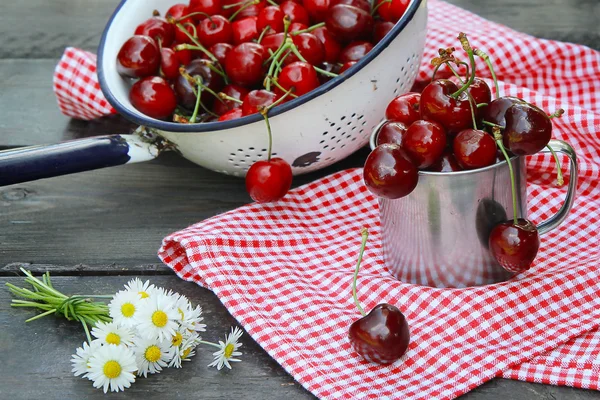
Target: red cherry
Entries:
(295, 11)
(528, 129)
(268, 181)
(316, 9)
(177, 11)
(310, 47)
(220, 51)
(272, 17)
(297, 26)
(138, 57)
(184, 57)
(255, 100)
(329, 67)
(181, 37)
(235, 91)
(437, 105)
(480, 91)
(330, 45)
(244, 30)
(347, 66)
(213, 30)
(355, 51)
(474, 149)
(183, 89)
(393, 10)
(380, 29)
(272, 42)
(404, 108)
(495, 111)
(210, 7)
(515, 246)
(231, 114)
(154, 97)
(244, 64)
(169, 63)
(382, 336)
(446, 163)
(300, 76)
(362, 4)
(251, 10)
(424, 142)
(391, 132)
(157, 28)
(347, 23)
(389, 173)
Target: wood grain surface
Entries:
(96, 229)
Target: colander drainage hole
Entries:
(343, 118)
(325, 133)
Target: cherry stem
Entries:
(196, 42)
(481, 105)
(216, 70)
(498, 138)
(557, 113)
(309, 29)
(275, 57)
(279, 63)
(239, 3)
(365, 235)
(301, 58)
(492, 124)
(181, 19)
(487, 60)
(198, 95)
(375, 8)
(289, 92)
(273, 3)
(559, 176)
(222, 96)
(264, 111)
(263, 33)
(456, 74)
(472, 106)
(467, 47)
(242, 8)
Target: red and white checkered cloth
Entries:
(284, 270)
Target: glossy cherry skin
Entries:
(244, 30)
(255, 100)
(496, 110)
(393, 10)
(138, 57)
(528, 129)
(480, 91)
(389, 173)
(272, 42)
(299, 76)
(244, 64)
(210, 7)
(362, 4)
(355, 51)
(404, 108)
(295, 11)
(380, 29)
(382, 336)
(316, 9)
(183, 89)
(310, 47)
(437, 105)
(268, 181)
(181, 37)
(154, 97)
(297, 26)
(346, 66)
(169, 63)
(213, 30)
(231, 114)
(158, 29)
(347, 23)
(220, 51)
(391, 132)
(330, 45)
(446, 163)
(424, 142)
(183, 56)
(514, 246)
(253, 10)
(474, 148)
(235, 91)
(177, 11)
(272, 17)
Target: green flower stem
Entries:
(467, 47)
(498, 138)
(209, 344)
(365, 235)
(559, 176)
(310, 28)
(487, 60)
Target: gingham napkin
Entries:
(284, 270)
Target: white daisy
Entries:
(124, 306)
(112, 333)
(113, 366)
(151, 356)
(158, 318)
(228, 350)
(144, 289)
(189, 317)
(81, 358)
(182, 345)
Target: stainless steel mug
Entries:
(438, 235)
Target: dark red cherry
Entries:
(347, 23)
(346, 66)
(496, 109)
(404, 108)
(330, 45)
(310, 47)
(268, 181)
(231, 114)
(380, 29)
(255, 100)
(272, 17)
(157, 28)
(480, 91)
(220, 51)
(154, 97)
(424, 142)
(177, 11)
(299, 76)
(528, 129)
(393, 10)
(362, 4)
(138, 57)
(474, 148)
(181, 37)
(295, 11)
(213, 30)
(382, 336)
(437, 105)
(355, 51)
(183, 89)
(446, 163)
(389, 173)
(169, 63)
(272, 42)
(316, 9)
(514, 246)
(210, 7)
(244, 64)
(237, 92)
(244, 30)
(297, 26)
(183, 56)
(329, 67)
(391, 132)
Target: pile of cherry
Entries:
(223, 59)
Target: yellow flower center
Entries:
(152, 354)
(177, 339)
(186, 352)
(127, 310)
(144, 295)
(159, 318)
(113, 338)
(229, 350)
(181, 313)
(112, 369)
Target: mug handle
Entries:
(560, 146)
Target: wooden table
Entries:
(96, 230)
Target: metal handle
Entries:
(555, 220)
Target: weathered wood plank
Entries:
(14, 269)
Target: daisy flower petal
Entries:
(124, 306)
(144, 289)
(152, 356)
(158, 318)
(112, 333)
(81, 358)
(112, 366)
(228, 350)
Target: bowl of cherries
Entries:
(448, 167)
(204, 75)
